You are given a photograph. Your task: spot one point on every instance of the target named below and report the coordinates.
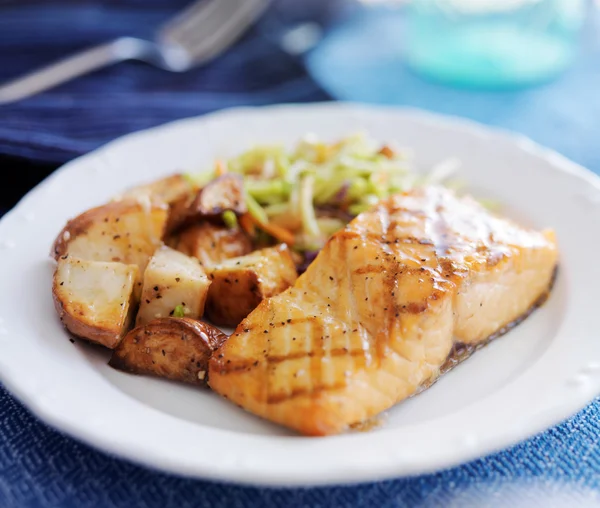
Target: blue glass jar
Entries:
(495, 44)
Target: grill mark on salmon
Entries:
(278, 398)
(228, 368)
(310, 354)
(238, 367)
(409, 240)
(385, 238)
(318, 350)
(369, 269)
(278, 324)
(404, 270)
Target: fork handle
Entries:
(68, 68)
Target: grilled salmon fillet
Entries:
(376, 316)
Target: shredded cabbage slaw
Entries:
(304, 195)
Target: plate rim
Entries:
(240, 474)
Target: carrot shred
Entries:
(387, 151)
(247, 224)
(220, 168)
(277, 232)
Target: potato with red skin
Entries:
(94, 299)
(240, 284)
(179, 214)
(122, 231)
(223, 193)
(165, 190)
(208, 204)
(172, 348)
(211, 244)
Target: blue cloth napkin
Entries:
(41, 468)
(85, 113)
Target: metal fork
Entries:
(194, 36)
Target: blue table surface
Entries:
(361, 61)
(357, 60)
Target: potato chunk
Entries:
(239, 284)
(223, 193)
(127, 232)
(211, 244)
(94, 299)
(164, 190)
(173, 284)
(179, 214)
(171, 348)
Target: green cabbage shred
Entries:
(230, 219)
(179, 311)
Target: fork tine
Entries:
(226, 29)
(190, 15)
(205, 29)
(209, 15)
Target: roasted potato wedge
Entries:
(165, 190)
(172, 348)
(223, 193)
(240, 284)
(128, 232)
(209, 203)
(173, 282)
(180, 214)
(94, 299)
(211, 244)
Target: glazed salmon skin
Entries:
(378, 314)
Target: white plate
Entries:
(540, 373)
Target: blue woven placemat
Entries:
(39, 467)
(42, 468)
